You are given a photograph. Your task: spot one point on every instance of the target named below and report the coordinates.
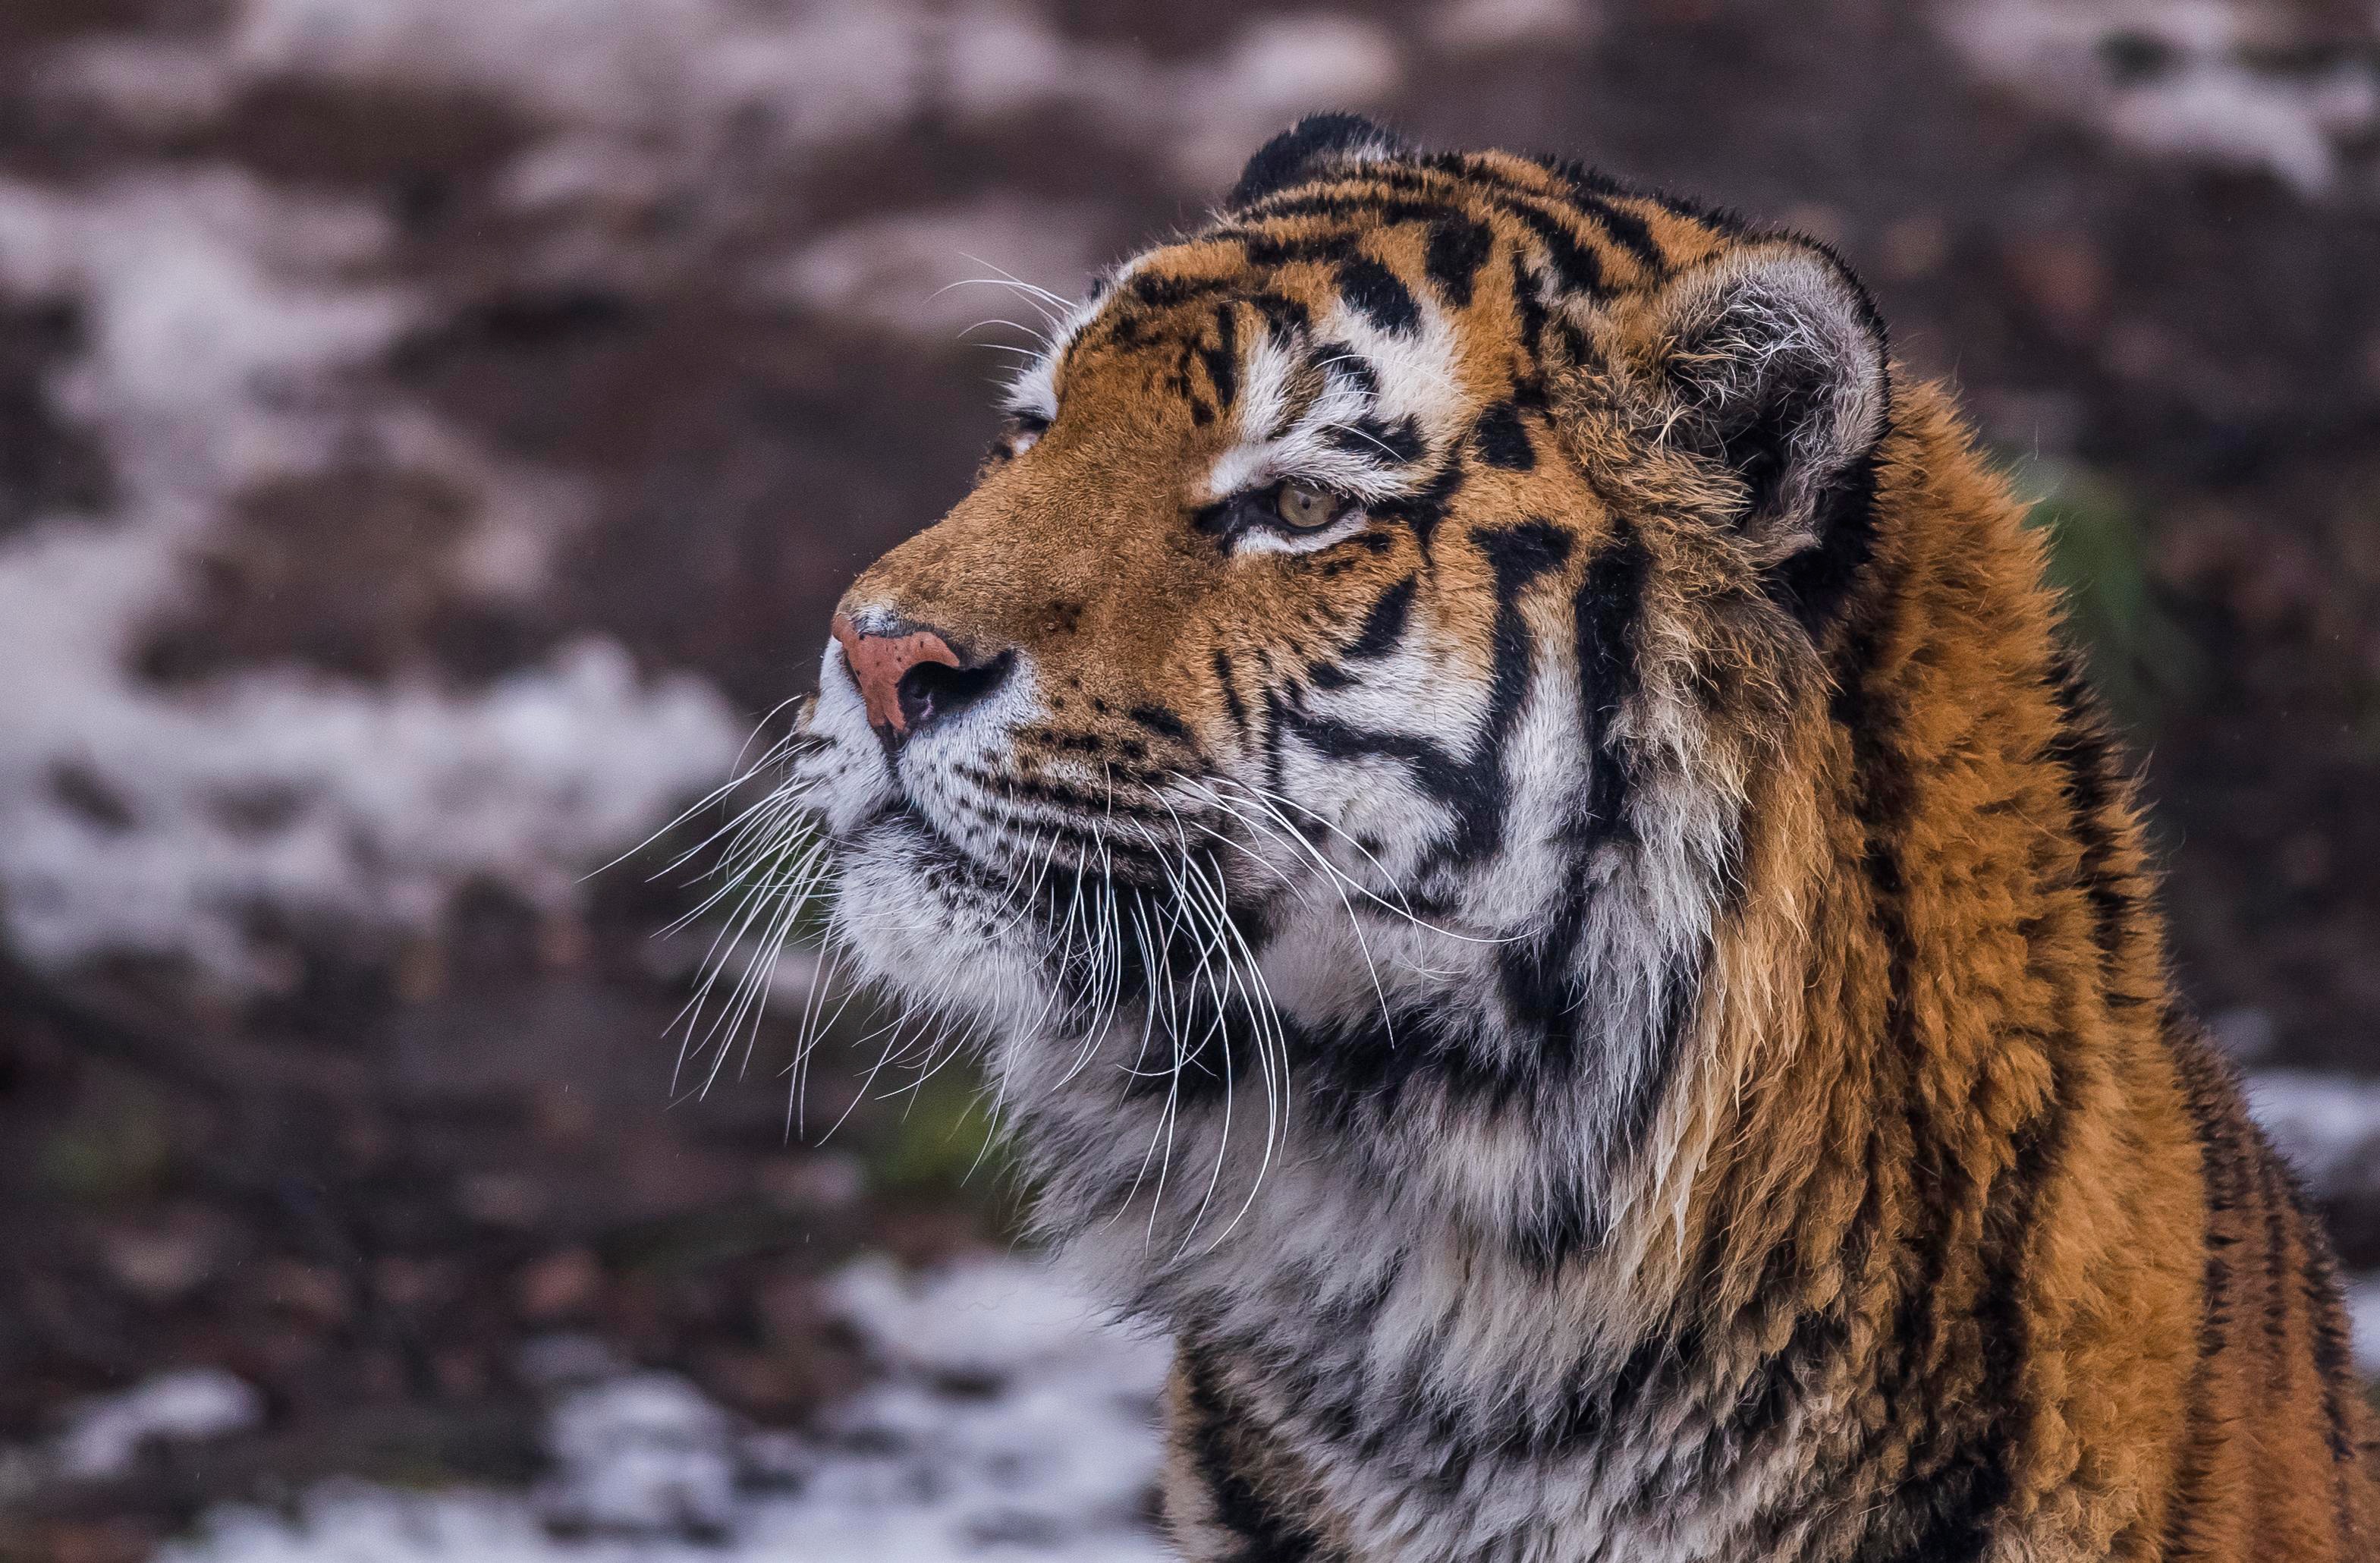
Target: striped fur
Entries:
(1609, 997)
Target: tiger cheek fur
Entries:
(1504, 803)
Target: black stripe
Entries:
(1502, 440)
(1883, 796)
(1457, 248)
(1425, 510)
(1160, 291)
(1233, 706)
(1375, 292)
(1341, 359)
(1607, 1399)
(1518, 555)
(1528, 305)
(1594, 195)
(1378, 208)
(2218, 1157)
(1268, 251)
(1400, 443)
(2334, 1355)
(2278, 1269)
(1725, 220)
(2080, 750)
(1283, 315)
(1264, 1533)
(1223, 359)
(1279, 717)
(1161, 722)
(1435, 769)
(1369, 1072)
(1974, 1487)
(2333, 1352)
(1384, 623)
(1536, 973)
(1037, 790)
(1604, 617)
(1577, 267)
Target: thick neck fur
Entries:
(1814, 1108)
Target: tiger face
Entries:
(1301, 696)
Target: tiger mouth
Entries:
(934, 850)
(1068, 874)
(1010, 832)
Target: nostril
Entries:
(932, 691)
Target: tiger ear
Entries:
(1318, 142)
(1769, 361)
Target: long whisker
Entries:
(775, 752)
(1055, 301)
(1355, 925)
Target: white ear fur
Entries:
(1771, 361)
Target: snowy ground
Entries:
(2218, 80)
(1011, 1422)
(1009, 1425)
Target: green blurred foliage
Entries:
(933, 1132)
(2141, 657)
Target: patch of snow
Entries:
(641, 1455)
(1011, 1424)
(225, 324)
(103, 1435)
(386, 799)
(214, 309)
(2327, 1125)
(2189, 78)
(661, 87)
(636, 66)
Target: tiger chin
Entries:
(1503, 798)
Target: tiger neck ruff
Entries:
(1501, 799)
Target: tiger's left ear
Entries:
(1768, 361)
(1318, 144)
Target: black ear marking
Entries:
(1309, 146)
(1770, 362)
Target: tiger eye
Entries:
(1306, 507)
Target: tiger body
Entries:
(1505, 803)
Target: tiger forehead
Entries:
(1484, 236)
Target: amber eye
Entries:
(1304, 508)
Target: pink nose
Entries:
(879, 662)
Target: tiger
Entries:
(1497, 792)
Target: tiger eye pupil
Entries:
(1303, 506)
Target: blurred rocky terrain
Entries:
(431, 437)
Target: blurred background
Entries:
(431, 437)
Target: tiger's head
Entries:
(1331, 720)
